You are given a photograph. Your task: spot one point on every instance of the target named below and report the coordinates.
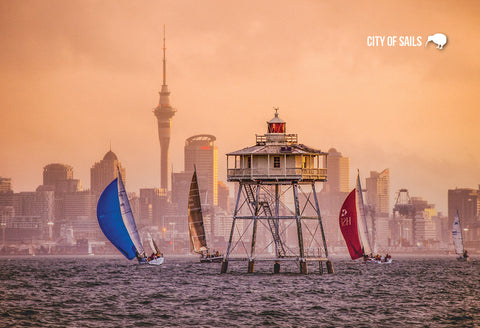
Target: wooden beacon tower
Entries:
(277, 217)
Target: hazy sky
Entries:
(77, 75)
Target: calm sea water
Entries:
(113, 292)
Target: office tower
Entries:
(59, 177)
(223, 196)
(338, 172)
(378, 192)
(105, 171)
(164, 113)
(5, 185)
(33, 211)
(201, 152)
(467, 202)
(180, 190)
(152, 204)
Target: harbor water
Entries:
(113, 292)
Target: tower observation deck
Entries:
(276, 209)
(164, 113)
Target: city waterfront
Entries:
(94, 291)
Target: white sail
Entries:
(363, 227)
(457, 235)
(127, 216)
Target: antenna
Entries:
(164, 59)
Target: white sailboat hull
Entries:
(389, 261)
(157, 261)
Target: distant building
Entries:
(223, 196)
(200, 151)
(180, 191)
(59, 177)
(338, 172)
(32, 213)
(467, 202)
(378, 192)
(104, 172)
(5, 185)
(152, 204)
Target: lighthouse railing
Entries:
(287, 173)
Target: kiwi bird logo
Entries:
(439, 39)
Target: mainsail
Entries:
(363, 227)
(198, 242)
(457, 235)
(349, 227)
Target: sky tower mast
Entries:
(164, 113)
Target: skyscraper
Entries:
(59, 178)
(200, 150)
(105, 171)
(164, 113)
(378, 191)
(338, 172)
(5, 185)
(467, 202)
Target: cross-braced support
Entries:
(278, 222)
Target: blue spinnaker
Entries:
(111, 221)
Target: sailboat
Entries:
(458, 239)
(116, 220)
(196, 229)
(353, 224)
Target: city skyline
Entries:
(72, 84)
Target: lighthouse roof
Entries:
(299, 149)
(276, 119)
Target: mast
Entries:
(127, 215)
(363, 229)
(164, 59)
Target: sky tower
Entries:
(164, 113)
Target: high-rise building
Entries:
(152, 204)
(59, 177)
(164, 113)
(180, 190)
(378, 191)
(105, 171)
(201, 152)
(5, 185)
(223, 196)
(338, 172)
(467, 202)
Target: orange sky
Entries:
(79, 74)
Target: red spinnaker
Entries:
(348, 225)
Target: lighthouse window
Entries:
(276, 161)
